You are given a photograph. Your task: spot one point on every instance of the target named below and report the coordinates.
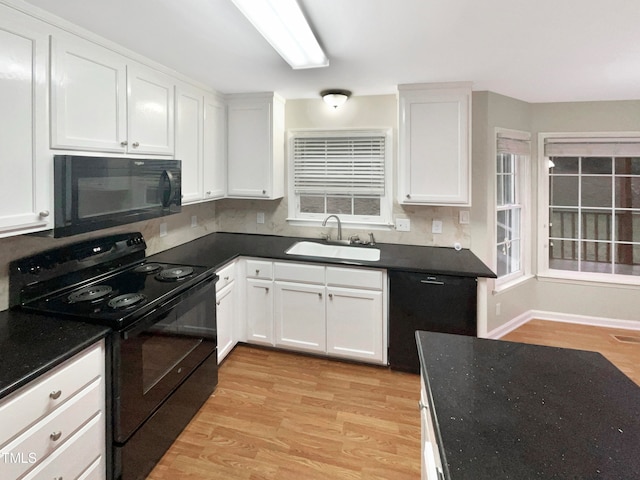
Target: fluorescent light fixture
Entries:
(283, 25)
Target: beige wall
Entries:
(379, 111)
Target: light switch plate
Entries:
(436, 226)
(403, 224)
(260, 217)
(463, 217)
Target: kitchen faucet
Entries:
(324, 224)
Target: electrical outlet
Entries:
(403, 224)
(163, 229)
(260, 217)
(436, 226)
(194, 221)
(463, 217)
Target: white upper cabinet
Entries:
(26, 168)
(435, 138)
(88, 96)
(102, 102)
(255, 133)
(215, 148)
(189, 128)
(150, 111)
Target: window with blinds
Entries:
(341, 173)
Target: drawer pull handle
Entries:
(257, 272)
(58, 478)
(226, 279)
(55, 436)
(56, 394)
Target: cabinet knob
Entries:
(55, 436)
(408, 196)
(124, 143)
(226, 279)
(331, 296)
(218, 302)
(320, 295)
(55, 394)
(135, 144)
(44, 213)
(208, 192)
(257, 272)
(264, 192)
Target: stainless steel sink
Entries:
(328, 250)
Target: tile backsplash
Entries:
(179, 230)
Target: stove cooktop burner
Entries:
(125, 301)
(174, 274)
(90, 294)
(147, 268)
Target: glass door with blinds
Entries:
(342, 173)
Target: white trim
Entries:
(511, 284)
(610, 280)
(562, 318)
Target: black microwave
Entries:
(91, 193)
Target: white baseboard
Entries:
(564, 318)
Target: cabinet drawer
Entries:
(297, 272)
(32, 402)
(52, 431)
(354, 277)
(77, 455)
(227, 275)
(259, 269)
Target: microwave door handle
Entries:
(167, 199)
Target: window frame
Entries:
(523, 194)
(381, 222)
(569, 276)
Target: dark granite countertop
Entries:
(506, 410)
(30, 345)
(216, 249)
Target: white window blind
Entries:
(513, 143)
(339, 165)
(592, 147)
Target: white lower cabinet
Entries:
(355, 324)
(300, 317)
(338, 311)
(259, 295)
(54, 427)
(225, 316)
(431, 467)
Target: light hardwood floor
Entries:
(278, 415)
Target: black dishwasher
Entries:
(421, 301)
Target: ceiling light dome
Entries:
(335, 97)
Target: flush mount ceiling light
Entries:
(335, 98)
(282, 24)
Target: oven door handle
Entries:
(162, 311)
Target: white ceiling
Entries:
(534, 50)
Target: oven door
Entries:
(159, 352)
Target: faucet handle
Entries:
(372, 240)
(326, 236)
(354, 239)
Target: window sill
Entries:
(299, 222)
(590, 279)
(504, 287)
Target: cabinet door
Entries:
(259, 311)
(215, 148)
(249, 150)
(88, 96)
(225, 316)
(300, 317)
(150, 111)
(434, 164)
(27, 170)
(355, 323)
(189, 119)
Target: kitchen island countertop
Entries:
(506, 410)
